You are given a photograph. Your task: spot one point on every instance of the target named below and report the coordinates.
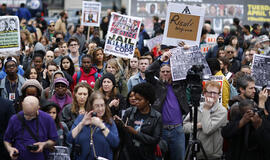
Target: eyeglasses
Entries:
(230, 51)
(51, 25)
(71, 45)
(58, 85)
(212, 93)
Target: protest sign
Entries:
(154, 41)
(122, 36)
(183, 23)
(9, 35)
(183, 59)
(91, 13)
(60, 153)
(205, 47)
(260, 70)
(211, 38)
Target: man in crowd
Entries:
(49, 33)
(10, 87)
(139, 77)
(73, 46)
(231, 54)
(172, 103)
(87, 72)
(248, 133)
(31, 132)
(212, 116)
(80, 36)
(212, 52)
(60, 25)
(264, 45)
(23, 12)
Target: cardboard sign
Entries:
(10, 40)
(91, 13)
(183, 23)
(122, 36)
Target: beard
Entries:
(166, 80)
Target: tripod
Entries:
(194, 145)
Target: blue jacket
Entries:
(103, 145)
(3, 74)
(134, 80)
(24, 13)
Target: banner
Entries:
(9, 35)
(91, 13)
(260, 70)
(122, 36)
(219, 12)
(183, 59)
(183, 23)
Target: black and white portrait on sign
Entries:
(260, 70)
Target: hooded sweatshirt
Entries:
(84, 77)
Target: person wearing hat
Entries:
(114, 100)
(264, 45)
(30, 87)
(212, 52)
(50, 31)
(10, 87)
(61, 96)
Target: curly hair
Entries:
(145, 90)
(94, 55)
(107, 117)
(75, 106)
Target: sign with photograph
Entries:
(260, 70)
(122, 36)
(154, 42)
(183, 23)
(91, 13)
(9, 35)
(183, 59)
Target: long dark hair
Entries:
(107, 117)
(50, 105)
(71, 69)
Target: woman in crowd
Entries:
(62, 130)
(67, 65)
(114, 100)
(121, 84)
(26, 39)
(81, 94)
(234, 42)
(221, 52)
(99, 60)
(61, 96)
(45, 42)
(141, 125)
(31, 73)
(132, 68)
(95, 131)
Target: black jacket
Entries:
(148, 137)
(247, 143)
(179, 89)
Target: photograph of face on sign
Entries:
(151, 8)
(8, 24)
(91, 17)
(234, 10)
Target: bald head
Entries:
(30, 106)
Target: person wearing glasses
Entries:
(74, 54)
(50, 31)
(95, 131)
(231, 54)
(212, 116)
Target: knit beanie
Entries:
(31, 82)
(109, 76)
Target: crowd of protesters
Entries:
(63, 90)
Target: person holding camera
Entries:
(212, 116)
(31, 132)
(248, 133)
(94, 134)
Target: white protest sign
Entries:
(205, 47)
(183, 59)
(122, 36)
(183, 23)
(91, 13)
(211, 38)
(10, 40)
(154, 41)
(261, 70)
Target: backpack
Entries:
(80, 73)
